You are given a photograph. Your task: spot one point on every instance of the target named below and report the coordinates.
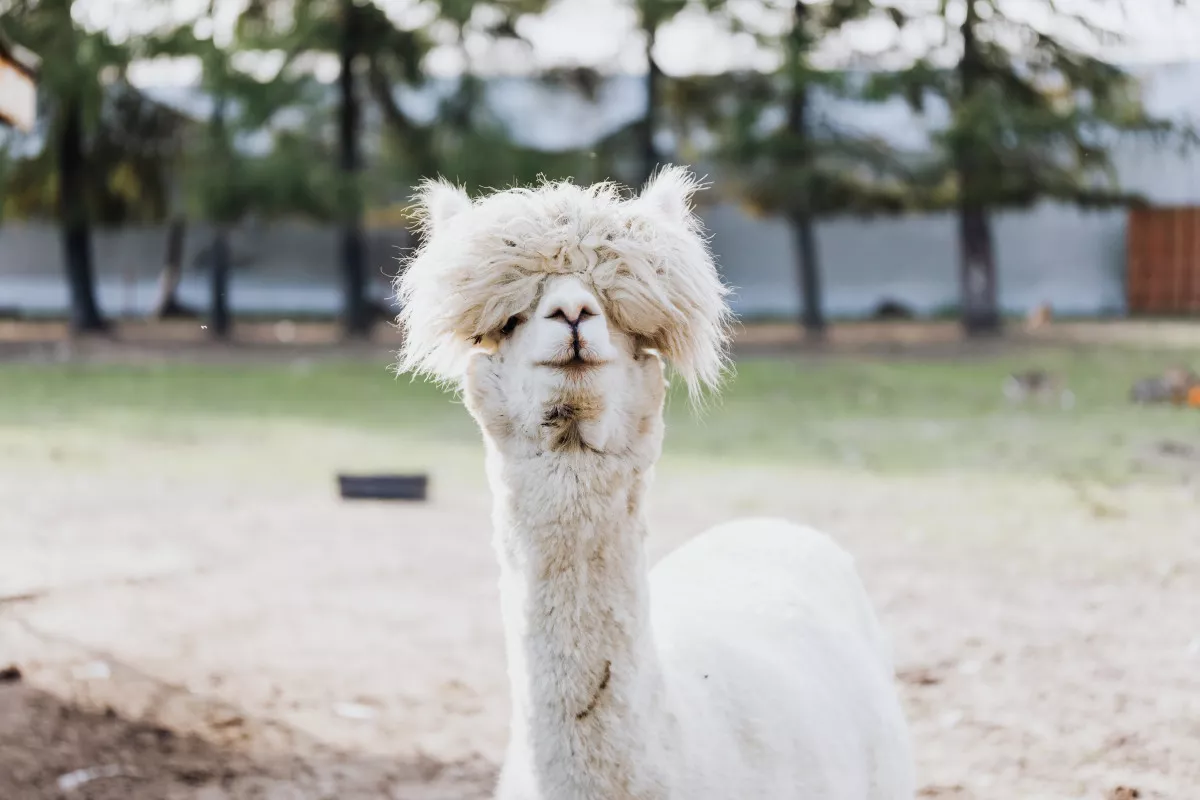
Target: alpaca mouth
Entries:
(575, 358)
(573, 363)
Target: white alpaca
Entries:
(748, 665)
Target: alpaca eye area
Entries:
(511, 325)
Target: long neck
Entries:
(588, 695)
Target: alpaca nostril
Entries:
(571, 316)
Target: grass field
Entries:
(1038, 567)
(881, 415)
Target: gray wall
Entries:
(276, 268)
(1052, 254)
(1073, 260)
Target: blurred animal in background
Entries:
(1178, 385)
(1041, 316)
(1040, 385)
(890, 310)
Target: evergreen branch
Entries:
(416, 140)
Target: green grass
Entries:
(896, 415)
(353, 394)
(900, 415)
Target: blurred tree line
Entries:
(1016, 113)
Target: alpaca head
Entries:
(555, 307)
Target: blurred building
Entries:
(18, 86)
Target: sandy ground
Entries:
(192, 625)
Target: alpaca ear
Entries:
(439, 201)
(684, 311)
(670, 192)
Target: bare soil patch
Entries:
(52, 749)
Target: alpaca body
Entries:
(769, 638)
(748, 665)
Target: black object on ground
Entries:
(889, 309)
(383, 487)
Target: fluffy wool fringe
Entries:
(484, 261)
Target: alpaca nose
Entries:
(572, 309)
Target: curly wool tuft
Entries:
(484, 261)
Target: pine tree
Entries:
(785, 157)
(224, 184)
(1032, 116)
(132, 146)
(349, 29)
(357, 318)
(652, 15)
(474, 146)
(371, 46)
(76, 87)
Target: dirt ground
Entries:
(188, 622)
(197, 638)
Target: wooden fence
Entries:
(1163, 261)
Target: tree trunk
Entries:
(167, 306)
(976, 250)
(76, 231)
(218, 307)
(219, 323)
(650, 156)
(808, 274)
(977, 272)
(356, 313)
(808, 266)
